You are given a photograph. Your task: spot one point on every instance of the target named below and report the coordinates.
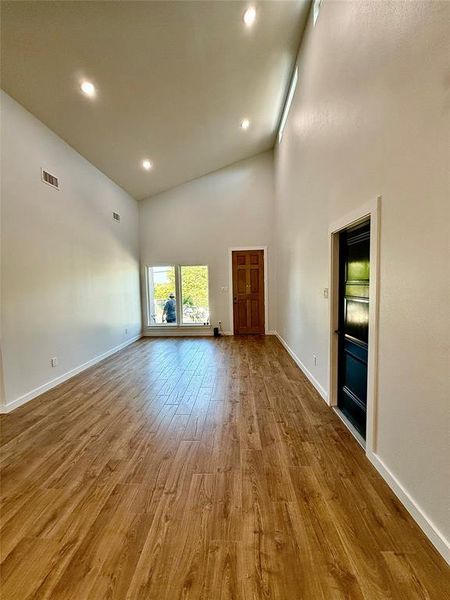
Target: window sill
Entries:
(193, 329)
(184, 326)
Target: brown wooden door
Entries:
(248, 291)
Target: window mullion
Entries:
(179, 303)
(150, 294)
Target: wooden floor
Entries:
(200, 469)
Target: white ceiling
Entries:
(174, 80)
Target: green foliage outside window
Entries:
(194, 283)
(161, 291)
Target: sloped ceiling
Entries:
(174, 80)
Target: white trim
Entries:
(355, 433)
(7, 408)
(428, 527)
(316, 10)
(266, 284)
(372, 210)
(287, 104)
(302, 367)
(178, 294)
(145, 302)
(147, 323)
(180, 284)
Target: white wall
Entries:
(370, 118)
(70, 274)
(197, 222)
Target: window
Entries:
(194, 294)
(178, 295)
(287, 106)
(162, 296)
(316, 10)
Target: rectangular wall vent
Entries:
(49, 179)
(116, 216)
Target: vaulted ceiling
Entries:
(173, 80)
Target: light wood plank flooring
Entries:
(200, 469)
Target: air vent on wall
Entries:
(49, 179)
(116, 216)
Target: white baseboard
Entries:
(7, 408)
(302, 367)
(428, 527)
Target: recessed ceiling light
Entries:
(245, 124)
(249, 16)
(88, 88)
(147, 164)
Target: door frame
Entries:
(230, 284)
(370, 210)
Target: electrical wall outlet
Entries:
(54, 361)
(315, 360)
(325, 292)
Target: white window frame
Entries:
(178, 295)
(317, 5)
(181, 296)
(147, 295)
(287, 105)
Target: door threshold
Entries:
(358, 437)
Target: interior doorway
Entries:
(248, 282)
(353, 298)
(353, 324)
